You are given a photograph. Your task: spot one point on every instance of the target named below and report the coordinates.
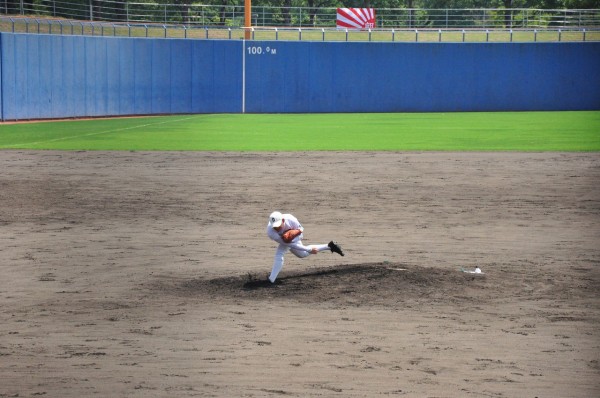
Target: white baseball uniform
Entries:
(295, 246)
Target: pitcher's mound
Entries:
(355, 284)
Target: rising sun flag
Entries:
(355, 18)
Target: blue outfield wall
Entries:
(50, 76)
(422, 77)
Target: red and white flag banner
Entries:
(355, 18)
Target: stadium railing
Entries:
(129, 29)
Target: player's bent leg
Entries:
(300, 253)
(322, 247)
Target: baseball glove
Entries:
(290, 235)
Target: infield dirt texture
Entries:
(130, 274)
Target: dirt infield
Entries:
(131, 274)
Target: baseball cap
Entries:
(275, 219)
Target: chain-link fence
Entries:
(263, 16)
(68, 27)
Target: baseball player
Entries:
(286, 230)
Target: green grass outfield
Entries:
(501, 131)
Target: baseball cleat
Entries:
(335, 248)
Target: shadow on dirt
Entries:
(253, 283)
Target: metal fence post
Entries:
(323, 33)
(369, 34)
(439, 35)
(416, 35)
(393, 35)
(535, 35)
(346, 34)
(487, 35)
(559, 34)
(463, 35)
(583, 34)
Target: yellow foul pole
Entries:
(247, 18)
